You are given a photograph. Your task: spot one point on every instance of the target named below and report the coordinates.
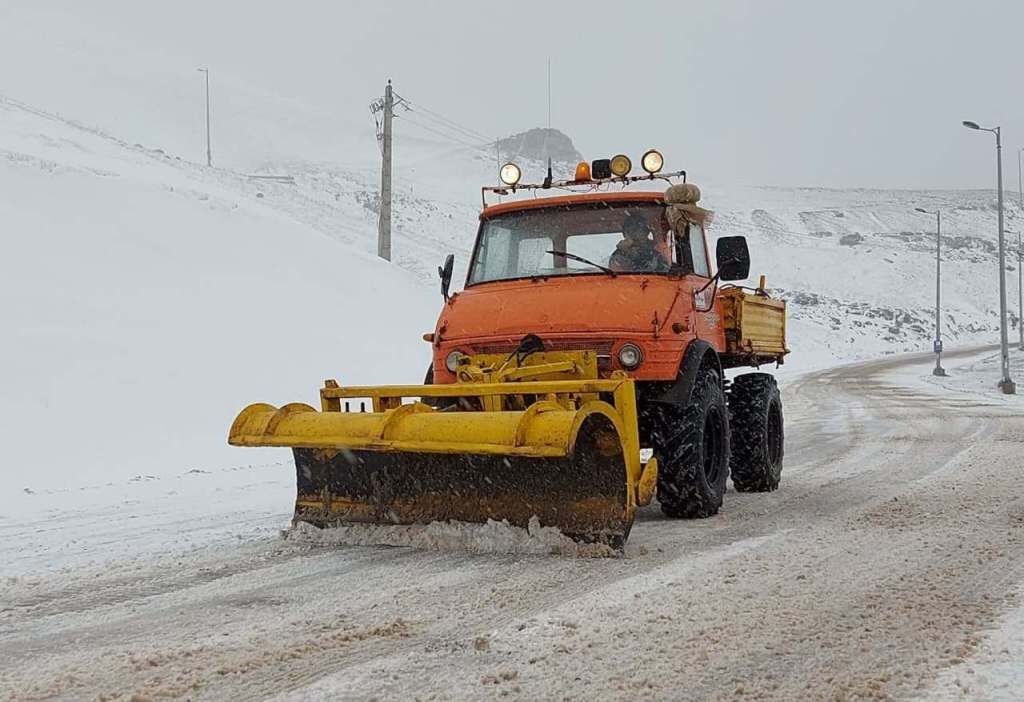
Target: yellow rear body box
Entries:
(755, 325)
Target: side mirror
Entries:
(445, 272)
(732, 258)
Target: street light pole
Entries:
(938, 370)
(1020, 293)
(1006, 384)
(1020, 181)
(1020, 274)
(209, 156)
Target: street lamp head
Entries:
(921, 209)
(971, 125)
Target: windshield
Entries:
(612, 238)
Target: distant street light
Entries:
(209, 156)
(1005, 384)
(938, 370)
(1020, 274)
(1020, 181)
(1020, 293)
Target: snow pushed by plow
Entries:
(493, 537)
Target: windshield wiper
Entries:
(574, 257)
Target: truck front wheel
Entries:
(692, 445)
(755, 418)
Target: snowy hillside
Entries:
(148, 300)
(858, 266)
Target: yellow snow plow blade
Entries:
(565, 451)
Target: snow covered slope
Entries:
(147, 301)
(858, 266)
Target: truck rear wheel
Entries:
(692, 444)
(755, 418)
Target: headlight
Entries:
(510, 174)
(621, 165)
(652, 161)
(630, 356)
(451, 362)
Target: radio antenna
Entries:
(547, 135)
(549, 93)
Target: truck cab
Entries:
(547, 267)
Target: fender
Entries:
(699, 354)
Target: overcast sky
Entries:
(812, 93)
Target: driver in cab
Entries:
(637, 253)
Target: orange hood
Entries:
(562, 306)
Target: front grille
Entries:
(602, 347)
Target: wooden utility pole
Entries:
(384, 219)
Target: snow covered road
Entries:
(894, 543)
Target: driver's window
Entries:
(698, 254)
(689, 250)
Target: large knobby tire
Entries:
(692, 446)
(755, 418)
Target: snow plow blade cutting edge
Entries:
(569, 458)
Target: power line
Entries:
(440, 131)
(453, 131)
(452, 127)
(450, 132)
(435, 156)
(447, 136)
(447, 121)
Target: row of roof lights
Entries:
(617, 166)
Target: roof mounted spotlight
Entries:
(510, 174)
(621, 165)
(652, 161)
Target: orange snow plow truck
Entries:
(579, 374)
